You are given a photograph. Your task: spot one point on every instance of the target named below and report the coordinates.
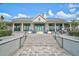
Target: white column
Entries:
(32, 26)
(22, 27)
(55, 27)
(13, 27)
(70, 27)
(63, 26)
(46, 27)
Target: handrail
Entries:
(4, 42)
(8, 41)
(23, 41)
(66, 38)
(72, 44)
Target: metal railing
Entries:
(69, 44)
(20, 42)
(11, 45)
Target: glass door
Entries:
(39, 27)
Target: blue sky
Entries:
(50, 10)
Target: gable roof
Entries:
(41, 20)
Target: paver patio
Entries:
(41, 45)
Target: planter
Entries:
(5, 33)
(74, 33)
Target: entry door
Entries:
(39, 27)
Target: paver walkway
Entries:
(41, 45)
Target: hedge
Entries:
(5, 33)
(74, 33)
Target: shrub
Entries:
(5, 32)
(74, 33)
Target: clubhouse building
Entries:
(37, 24)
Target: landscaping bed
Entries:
(5, 32)
(74, 33)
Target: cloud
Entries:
(21, 16)
(62, 14)
(77, 18)
(72, 10)
(73, 5)
(77, 15)
(45, 15)
(6, 15)
(50, 13)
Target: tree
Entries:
(67, 24)
(2, 18)
(74, 23)
(9, 23)
(2, 25)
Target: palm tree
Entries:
(2, 17)
(2, 23)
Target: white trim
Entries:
(22, 27)
(13, 27)
(55, 27)
(42, 20)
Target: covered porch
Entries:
(36, 27)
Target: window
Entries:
(26, 27)
(17, 27)
(51, 27)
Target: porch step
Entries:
(39, 32)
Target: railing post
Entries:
(62, 42)
(55, 35)
(25, 35)
(20, 42)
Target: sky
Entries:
(66, 11)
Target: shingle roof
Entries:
(19, 20)
(29, 20)
(55, 20)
